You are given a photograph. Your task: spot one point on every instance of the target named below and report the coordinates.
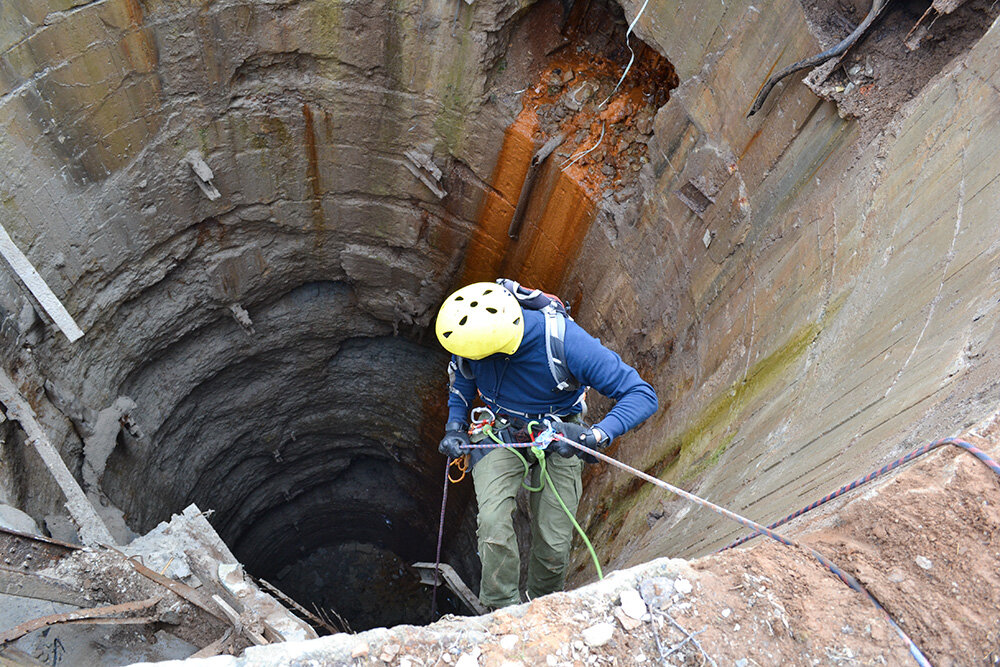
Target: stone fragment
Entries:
(924, 562)
(683, 586)
(579, 95)
(657, 591)
(628, 623)
(203, 174)
(508, 642)
(242, 317)
(598, 635)
(632, 603)
(359, 650)
(389, 652)
(644, 123)
(466, 660)
(551, 660)
(15, 519)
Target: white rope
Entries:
(570, 160)
(632, 58)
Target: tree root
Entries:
(876, 10)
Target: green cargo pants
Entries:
(497, 478)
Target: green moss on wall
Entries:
(454, 94)
(701, 444)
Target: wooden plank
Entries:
(453, 581)
(39, 587)
(97, 613)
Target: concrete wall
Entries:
(845, 309)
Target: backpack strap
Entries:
(532, 299)
(555, 349)
(454, 368)
(556, 313)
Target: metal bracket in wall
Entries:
(203, 175)
(38, 287)
(423, 168)
(447, 574)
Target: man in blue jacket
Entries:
(500, 348)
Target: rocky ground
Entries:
(925, 542)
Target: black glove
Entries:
(577, 433)
(456, 437)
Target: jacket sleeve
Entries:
(461, 393)
(595, 365)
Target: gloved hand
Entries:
(585, 435)
(455, 438)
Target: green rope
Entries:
(540, 455)
(488, 430)
(545, 478)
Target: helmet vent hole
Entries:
(489, 291)
(463, 320)
(517, 321)
(459, 298)
(491, 310)
(446, 334)
(473, 304)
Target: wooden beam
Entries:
(93, 531)
(38, 287)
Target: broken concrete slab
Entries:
(15, 519)
(189, 549)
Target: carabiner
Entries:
(482, 418)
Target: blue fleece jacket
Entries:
(522, 381)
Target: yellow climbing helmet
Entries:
(479, 320)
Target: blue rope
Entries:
(853, 583)
(920, 451)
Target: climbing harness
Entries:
(763, 530)
(920, 451)
(483, 421)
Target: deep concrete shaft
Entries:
(804, 298)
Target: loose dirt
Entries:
(925, 542)
(910, 44)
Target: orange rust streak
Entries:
(312, 172)
(552, 240)
(490, 240)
